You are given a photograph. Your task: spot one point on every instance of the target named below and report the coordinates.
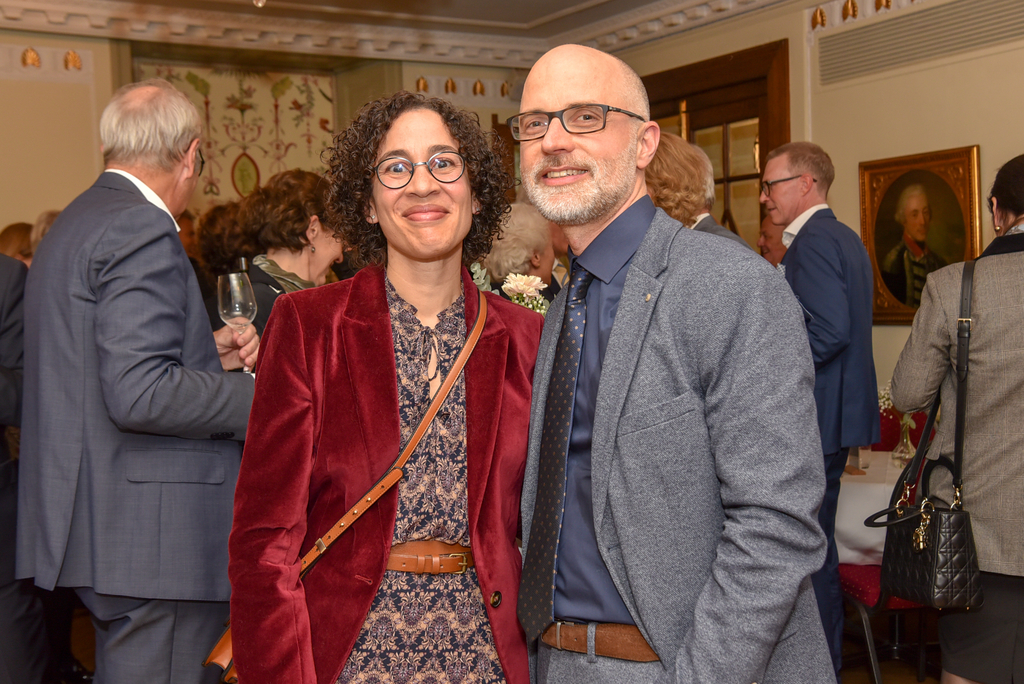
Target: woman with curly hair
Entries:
(346, 371)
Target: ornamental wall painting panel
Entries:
(254, 124)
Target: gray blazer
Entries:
(127, 472)
(706, 462)
(708, 224)
(993, 491)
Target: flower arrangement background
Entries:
(894, 423)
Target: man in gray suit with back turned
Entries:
(128, 453)
(674, 469)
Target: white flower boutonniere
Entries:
(525, 290)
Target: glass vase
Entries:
(903, 452)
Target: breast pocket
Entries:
(654, 416)
(174, 465)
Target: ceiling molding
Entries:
(121, 20)
(247, 29)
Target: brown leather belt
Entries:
(624, 642)
(430, 557)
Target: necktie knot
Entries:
(579, 283)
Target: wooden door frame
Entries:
(768, 63)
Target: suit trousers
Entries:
(154, 641)
(566, 667)
(826, 581)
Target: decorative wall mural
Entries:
(254, 124)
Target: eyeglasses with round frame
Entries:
(202, 162)
(578, 119)
(396, 172)
(766, 186)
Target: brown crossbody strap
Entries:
(394, 473)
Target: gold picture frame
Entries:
(936, 195)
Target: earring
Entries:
(373, 217)
(312, 248)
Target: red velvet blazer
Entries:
(324, 427)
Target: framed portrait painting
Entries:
(918, 213)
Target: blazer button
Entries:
(495, 599)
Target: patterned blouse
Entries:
(428, 629)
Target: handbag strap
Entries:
(394, 473)
(963, 339)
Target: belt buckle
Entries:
(463, 562)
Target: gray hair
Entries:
(149, 123)
(525, 234)
(901, 203)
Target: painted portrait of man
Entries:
(906, 266)
(920, 229)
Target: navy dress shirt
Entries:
(584, 591)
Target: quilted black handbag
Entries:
(929, 556)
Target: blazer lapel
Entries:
(370, 354)
(639, 298)
(484, 377)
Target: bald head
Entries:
(582, 180)
(583, 68)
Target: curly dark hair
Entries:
(278, 213)
(222, 240)
(351, 175)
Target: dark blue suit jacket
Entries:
(830, 272)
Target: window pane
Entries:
(742, 136)
(710, 140)
(671, 124)
(745, 209)
(719, 207)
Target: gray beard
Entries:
(586, 202)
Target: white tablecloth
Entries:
(859, 497)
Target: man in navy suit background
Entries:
(828, 268)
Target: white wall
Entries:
(49, 122)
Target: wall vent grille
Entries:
(939, 31)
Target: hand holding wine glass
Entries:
(236, 301)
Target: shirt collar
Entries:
(147, 192)
(699, 217)
(789, 234)
(617, 243)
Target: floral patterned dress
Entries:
(428, 629)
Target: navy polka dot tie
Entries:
(536, 592)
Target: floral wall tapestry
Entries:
(254, 125)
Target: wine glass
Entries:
(236, 302)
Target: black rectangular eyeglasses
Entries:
(579, 119)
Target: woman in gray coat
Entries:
(985, 645)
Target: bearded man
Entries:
(674, 470)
